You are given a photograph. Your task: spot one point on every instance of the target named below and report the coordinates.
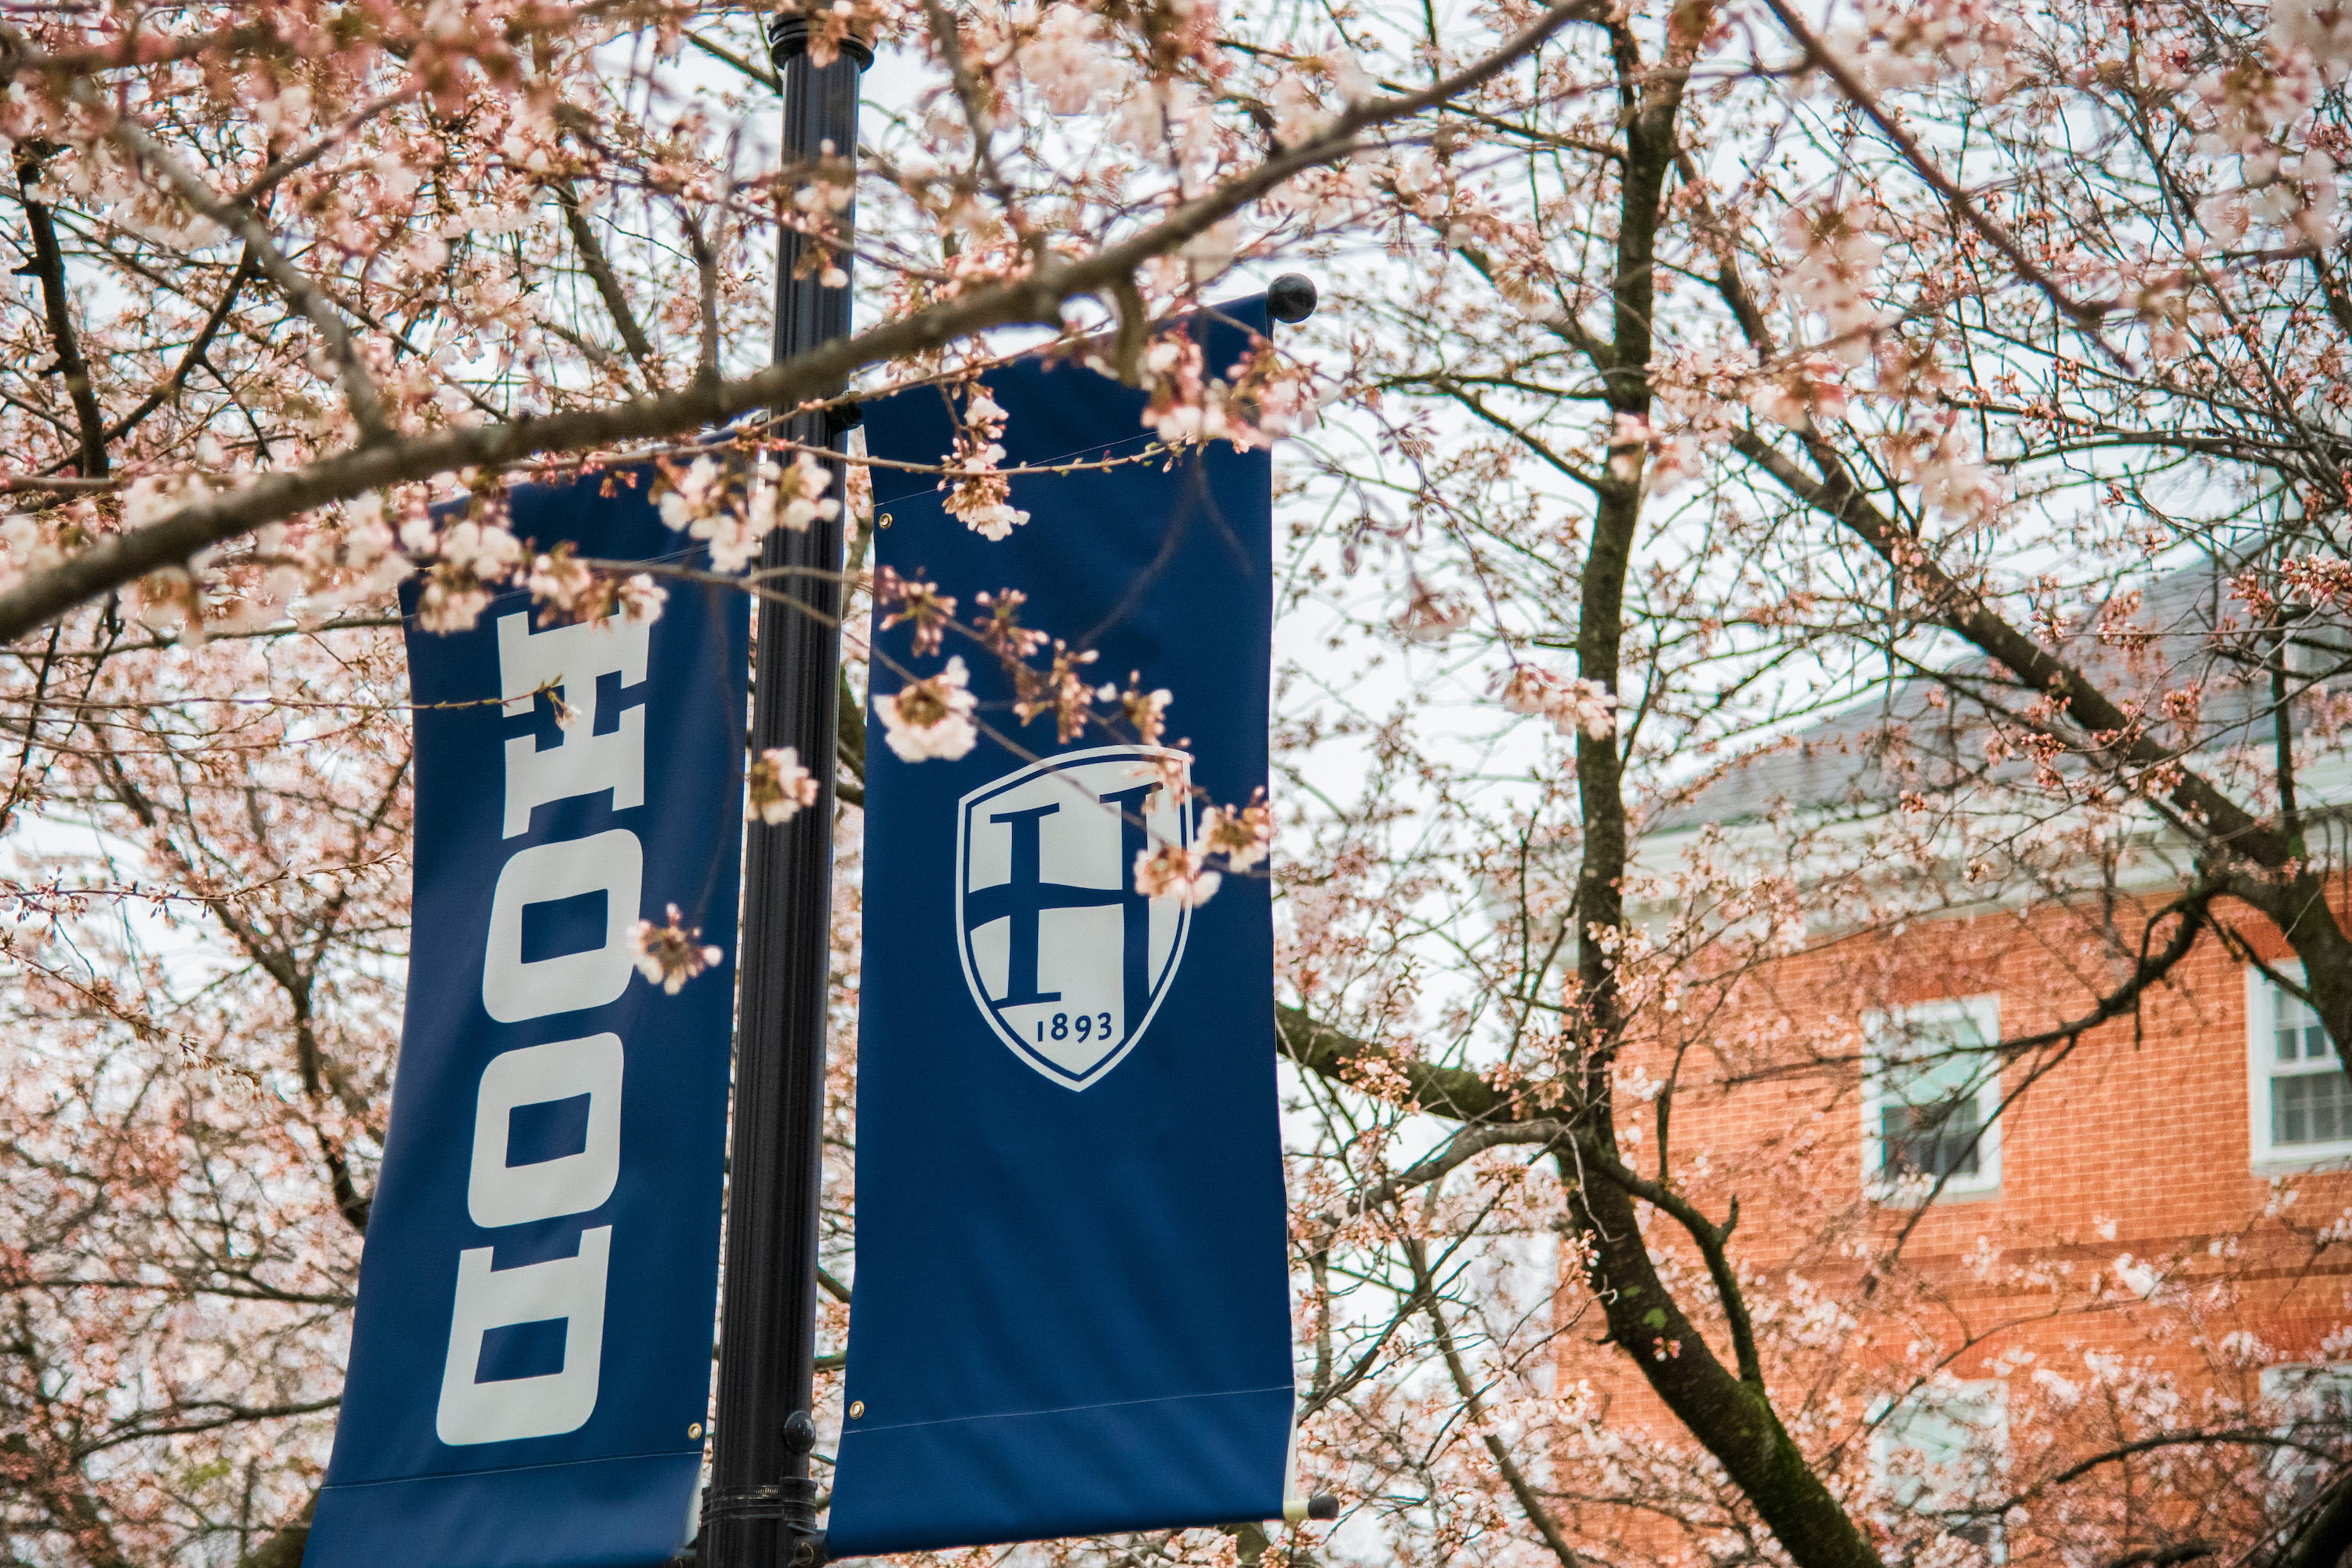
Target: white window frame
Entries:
(2334, 1379)
(2333, 1376)
(1992, 1393)
(1984, 1013)
(2262, 1052)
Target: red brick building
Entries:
(2003, 1224)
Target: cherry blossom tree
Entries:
(1688, 374)
(1778, 364)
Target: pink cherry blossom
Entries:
(778, 788)
(1175, 871)
(670, 955)
(931, 717)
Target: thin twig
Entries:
(2086, 314)
(359, 386)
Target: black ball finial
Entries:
(1290, 297)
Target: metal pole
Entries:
(758, 1512)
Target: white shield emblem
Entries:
(1065, 959)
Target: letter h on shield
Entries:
(1028, 896)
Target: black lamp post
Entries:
(759, 1512)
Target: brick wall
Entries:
(2134, 1144)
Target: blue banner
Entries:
(530, 1358)
(1071, 1310)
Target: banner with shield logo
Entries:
(1071, 1312)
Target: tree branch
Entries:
(1963, 610)
(2283, 884)
(294, 162)
(717, 51)
(48, 264)
(351, 373)
(1441, 1091)
(1035, 298)
(1467, 1144)
(223, 1415)
(1711, 1239)
(1475, 1411)
(285, 1546)
(849, 744)
(2160, 1556)
(2325, 1536)
(706, 272)
(189, 361)
(599, 269)
(2086, 315)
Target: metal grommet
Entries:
(857, 1408)
(883, 521)
(695, 1430)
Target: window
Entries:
(1930, 1094)
(2312, 1405)
(2299, 1099)
(1944, 1450)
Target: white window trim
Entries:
(2336, 1375)
(1984, 1011)
(1992, 1393)
(2274, 1379)
(2261, 1048)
